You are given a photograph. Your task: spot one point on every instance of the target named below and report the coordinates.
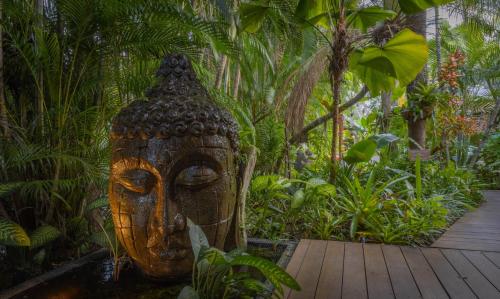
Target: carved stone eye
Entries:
(196, 176)
(137, 180)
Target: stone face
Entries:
(173, 157)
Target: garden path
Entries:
(476, 230)
(466, 264)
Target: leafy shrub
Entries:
(217, 274)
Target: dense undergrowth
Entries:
(391, 200)
(70, 65)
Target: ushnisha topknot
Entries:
(178, 105)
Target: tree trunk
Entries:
(338, 65)
(220, 72)
(323, 119)
(247, 172)
(4, 125)
(335, 81)
(416, 133)
(438, 41)
(386, 111)
(237, 82)
(416, 128)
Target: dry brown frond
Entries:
(302, 90)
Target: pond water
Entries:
(95, 280)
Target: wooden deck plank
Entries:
(354, 279)
(330, 279)
(485, 266)
(476, 281)
(466, 245)
(402, 281)
(494, 257)
(377, 277)
(449, 278)
(426, 280)
(296, 262)
(310, 270)
(476, 230)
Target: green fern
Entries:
(43, 236)
(12, 234)
(98, 203)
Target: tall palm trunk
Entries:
(220, 72)
(438, 40)
(416, 126)
(338, 65)
(237, 79)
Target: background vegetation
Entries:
(333, 96)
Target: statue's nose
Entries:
(167, 218)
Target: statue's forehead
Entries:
(166, 150)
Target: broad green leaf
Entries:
(384, 139)
(369, 16)
(188, 293)
(271, 271)
(375, 80)
(197, 237)
(312, 12)
(43, 235)
(414, 6)
(406, 53)
(308, 9)
(252, 16)
(401, 58)
(12, 234)
(362, 151)
(298, 199)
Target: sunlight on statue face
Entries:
(156, 184)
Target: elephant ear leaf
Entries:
(362, 151)
(12, 234)
(414, 6)
(198, 238)
(366, 17)
(401, 59)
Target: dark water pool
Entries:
(94, 280)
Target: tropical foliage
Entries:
(364, 128)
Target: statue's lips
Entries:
(174, 253)
(170, 253)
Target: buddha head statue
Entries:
(173, 158)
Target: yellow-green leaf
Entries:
(12, 234)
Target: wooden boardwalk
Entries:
(478, 229)
(331, 269)
(464, 263)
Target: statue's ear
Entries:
(237, 236)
